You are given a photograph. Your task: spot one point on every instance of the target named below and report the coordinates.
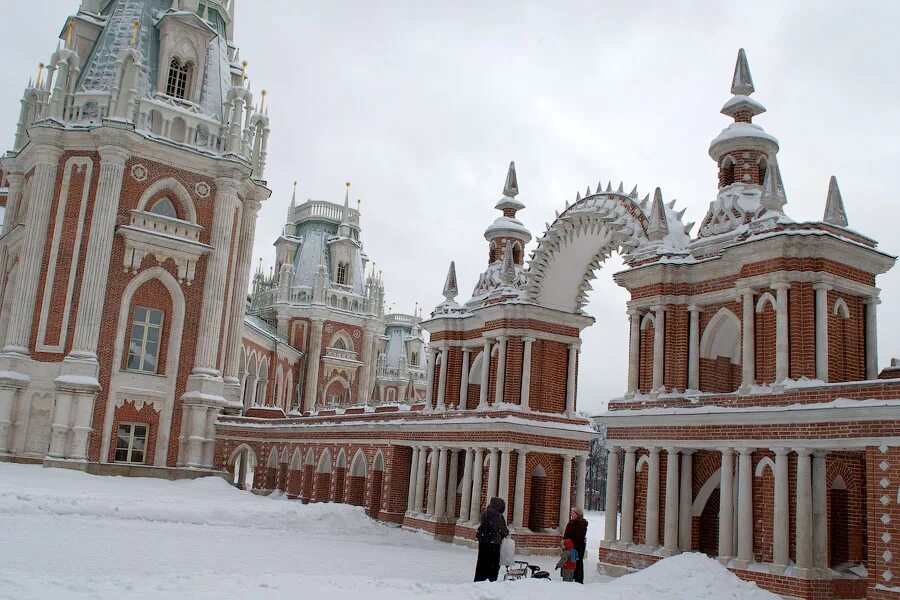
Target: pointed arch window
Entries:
(177, 83)
(164, 207)
(343, 273)
(414, 359)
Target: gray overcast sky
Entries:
(423, 104)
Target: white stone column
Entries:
(519, 501)
(571, 382)
(420, 479)
(612, 495)
(493, 467)
(8, 395)
(99, 250)
(465, 503)
(781, 523)
(872, 337)
(442, 379)
(477, 471)
(748, 341)
(485, 374)
(208, 339)
(745, 506)
(580, 480)
(411, 490)
(16, 184)
(822, 290)
(819, 511)
(464, 380)
(726, 505)
(433, 481)
(670, 526)
(501, 369)
(503, 488)
(627, 535)
(565, 493)
(685, 497)
(452, 480)
(83, 404)
(59, 428)
(659, 347)
(31, 253)
(782, 346)
(694, 348)
(804, 518)
(634, 351)
(429, 391)
(310, 397)
(440, 498)
(526, 372)
(652, 518)
(239, 290)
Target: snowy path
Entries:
(70, 535)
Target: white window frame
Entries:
(146, 324)
(131, 437)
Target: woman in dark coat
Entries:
(490, 534)
(576, 531)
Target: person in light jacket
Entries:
(491, 532)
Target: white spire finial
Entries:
(508, 266)
(294, 195)
(511, 187)
(742, 82)
(834, 205)
(659, 225)
(773, 196)
(451, 289)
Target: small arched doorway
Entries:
(340, 472)
(537, 498)
(839, 522)
(375, 485)
(358, 472)
(244, 466)
(322, 491)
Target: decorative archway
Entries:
(340, 474)
(376, 482)
(322, 491)
(243, 463)
(537, 499)
(588, 232)
(358, 472)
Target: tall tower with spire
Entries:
(133, 184)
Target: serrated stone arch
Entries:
(763, 299)
(578, 241)
(840, 309)
(762, 464)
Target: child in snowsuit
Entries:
(567, 559)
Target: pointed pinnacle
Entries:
(643, 203)
(511, 187)
(507, 267)
(742, 82)
(659, 225)
(773, 196)
(451, 289)
(609, 186)
(620, 190)
(681, 212)
(834, 205)
(688, 227)
(588, 192)
(599, 186)
(578, 196)
(634, 192)
(671, 204)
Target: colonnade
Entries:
(750, 305)
(439, 500)
(736, 523)
(500, 342)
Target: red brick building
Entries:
(755, 427)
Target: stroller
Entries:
(521, 569)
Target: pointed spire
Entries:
(742, 82)
(659, 225)
(834, 205)
(451, 289)
(507, 267)
(511, 187)
(294, 195)
(773, 196)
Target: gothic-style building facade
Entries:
(756, 427)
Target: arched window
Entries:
(342, 273)
(763, 167)
(727, 174)
(414, 359)
(164, 207)
(339, 344)
(176, 85)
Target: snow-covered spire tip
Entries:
(773, 196)
(511, 187)
(508, 267)
(451, 289)
(834, 205)
(742, 82)
(659, 225)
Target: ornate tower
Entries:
(134, 182)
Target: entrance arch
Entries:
(358, 473)
(243, 460)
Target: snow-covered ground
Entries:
(64, 534)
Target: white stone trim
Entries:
(182, 196)
(810, 443)
(705, 492)
(761, 466)
(840, 308)
(165, 383)
(761, 302)
(76, 162)
(710, 335)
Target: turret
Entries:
(507, 229)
